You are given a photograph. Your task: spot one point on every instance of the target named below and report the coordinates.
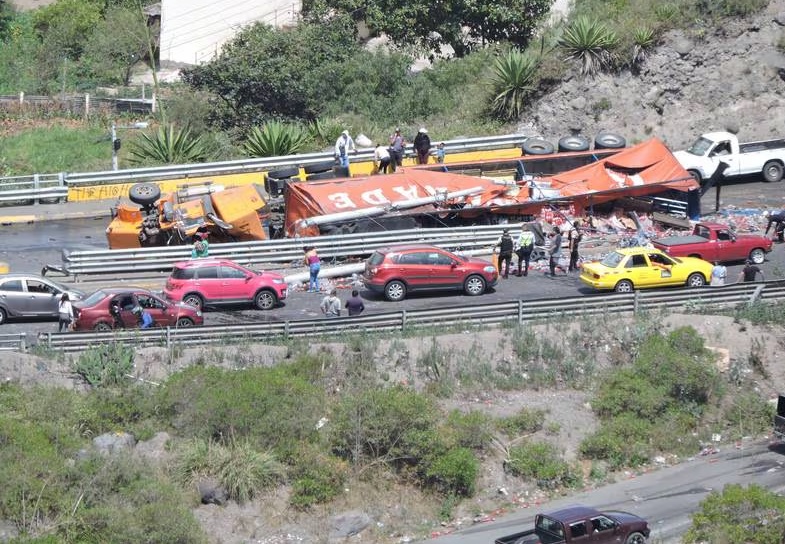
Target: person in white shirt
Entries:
(381, 156)
(343, 145)
(65, 313)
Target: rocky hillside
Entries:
(731, 79)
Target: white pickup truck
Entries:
(705, 156)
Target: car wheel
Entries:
(192, 299)
(636, 538)
(696, 279)
(102, 326)
(696, 176)
(265, 300)
(537, 146)
(474, 285)
(609, 140)
(144, 194)
(395, 291)
(624, 286)
(772, 171)
(757, 255)
(3, 315)
(574, 143)
(184, 322)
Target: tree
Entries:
(116, 44)
(739, 515)
(266, 73)
(430, 25)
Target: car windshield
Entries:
(94, 298)
(700, 147)
(612, 259)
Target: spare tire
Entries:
(320, 175)
(318, 167)
(609, 140)
(537, 146)
(144, 194)
(284, 173)
(574, 143)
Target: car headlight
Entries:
(198, 313)
(278, 280)
(489, 269)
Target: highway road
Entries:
(665, 497)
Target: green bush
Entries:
(526, 421)
(626, 391)
(168, 145)
(748, 414)
(107, 364)
(589, 42)
(276, 139)
(316, 478)
(541, 462)
(621, 441)
(514, 83)
(473, 429)
(454, 472)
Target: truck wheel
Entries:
(636, 538)
(144, 194)
(624, 286)
(772, 171)
(757, 255)
(284, 173)
(696, 279)
(696, 176)
(574, 143)
(537, 146)
(609, 140)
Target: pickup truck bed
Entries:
(681, 240)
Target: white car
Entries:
(29, 295)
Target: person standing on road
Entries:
(343, 145)
(331, 305)
(718, 274)
(505, 245)
(555, 252)
(397, 145)
(574, 239)
(314, 264)
(422, 144)
(524, 250)
(65, 313)
(778, 220)
(355, 305)
(750, 272)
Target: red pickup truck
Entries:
(582, 524)
(716, 242)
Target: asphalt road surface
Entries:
(665, 497)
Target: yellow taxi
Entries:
(624, 270)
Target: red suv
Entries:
(211, 282)
(396, 270)
(95, 311)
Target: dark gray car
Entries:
(29, 295)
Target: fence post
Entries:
(286, 329)
(23, 342)
(21, 98)
(403, 320)
(756, 294)
(86, 105)
(168, 337)
(520, 311)
(153, 107)
(635, 301)
(36, 187)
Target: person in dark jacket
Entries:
(422, 144)
(354, 305)
(505, 245)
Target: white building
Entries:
(193, 31)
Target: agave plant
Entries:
(169, 145)
(590, 42)
(324, 132)
(642, 41)
(276, 139)
(515, 75)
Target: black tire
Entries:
(3, 315)
(144, 194)
(320, 175)
(102, 326)
(757, 255)
(537, 146)
(574, 143)
(772, 171)
(474, 285)
(696, 176)
(635, 538)
(624, 286)
(341, 171)
(284, 173)
(265, 300)
(195, 300)
(319, 167)
(609, 140)
(184, 322)
(696, 279)
(395, 291)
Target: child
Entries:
(440, 153)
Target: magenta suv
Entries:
(213, 282)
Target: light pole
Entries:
(116, 141)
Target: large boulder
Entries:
(111, 443)
(348, 524)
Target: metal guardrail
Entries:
(515, 311)
(161, 259)
(13, 342)
(33, 188)
(160, 173)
